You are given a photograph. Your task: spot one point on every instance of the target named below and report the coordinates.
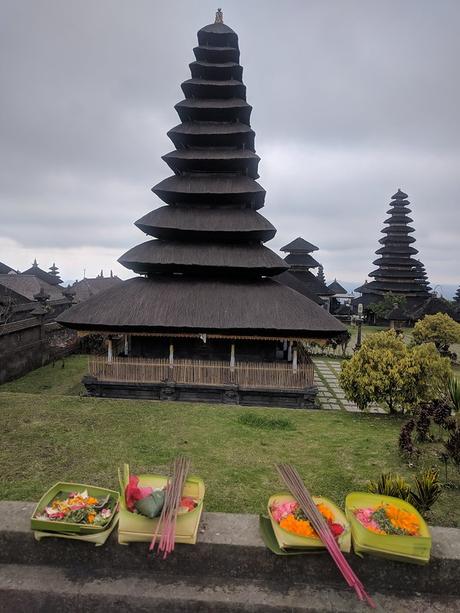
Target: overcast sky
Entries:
(352, 100)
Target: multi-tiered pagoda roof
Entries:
(205, 267)
(52, 278)
(299, 275)
(397, 269)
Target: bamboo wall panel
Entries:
(200, 372)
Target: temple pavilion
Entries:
(203, 318)
(397, 269)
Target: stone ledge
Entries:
(229, 545)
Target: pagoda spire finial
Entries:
(219, 16)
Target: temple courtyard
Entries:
(51, 432)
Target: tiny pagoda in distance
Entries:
(397, 272)
(299, 277)
(204, 320)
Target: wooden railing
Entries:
(245, 374)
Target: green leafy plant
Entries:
(427, 490)
(265, 423)
(382, 308)
(422, 496)
(453, 389)
(439, 329)
(390, 484)
(452, 446)
(385, 370)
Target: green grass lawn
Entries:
(56, 435)
(62, 378)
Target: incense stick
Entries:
(297, 488)
(167, 523)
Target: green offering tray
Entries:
(134, 527)
(287, 540)
(98, 539)
(413, 549)
(49, 525)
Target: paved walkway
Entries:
(330, 394)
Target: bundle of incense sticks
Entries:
(297, 488)
(173, 494)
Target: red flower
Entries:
(336, 529)
(133, 492)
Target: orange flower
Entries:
(402, 519)
(91, 500)
(302, 527)
(91, 517)
(325, 512)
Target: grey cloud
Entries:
(351, 101)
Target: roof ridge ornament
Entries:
(219, 16)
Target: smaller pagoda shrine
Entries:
(397, 269)
(299, 276)
(51, 277)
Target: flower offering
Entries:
(388, 519)
(79, 508)
(291, 518)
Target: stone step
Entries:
(50, 588)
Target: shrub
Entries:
(406, 446)
(426, 492)
(390, 484)
(439, 329)
(385, 370)
(452, 446)
(453, 389)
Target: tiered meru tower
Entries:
(206, 290)
(397, 269)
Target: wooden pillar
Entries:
(171, 355)
(109, 350)
(126, 344)
(232, 357)
(289, 352)
(294, 359)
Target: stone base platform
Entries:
(217, 394)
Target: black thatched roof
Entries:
(431, 306)
(175, 304)
(211, 188)
(299, 245)
(298, 284)
(207, 266)
(310, 283)
(86, 288)
(397, 270)
(301, 260)
(213, 160)
(28, 286)
(154, 256)
(5, 269)
(199, 223)
(36, 271)
(336, 288)
(215, 109)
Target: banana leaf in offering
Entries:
(294, 531)
(387, 527)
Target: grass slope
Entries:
(46, 438)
